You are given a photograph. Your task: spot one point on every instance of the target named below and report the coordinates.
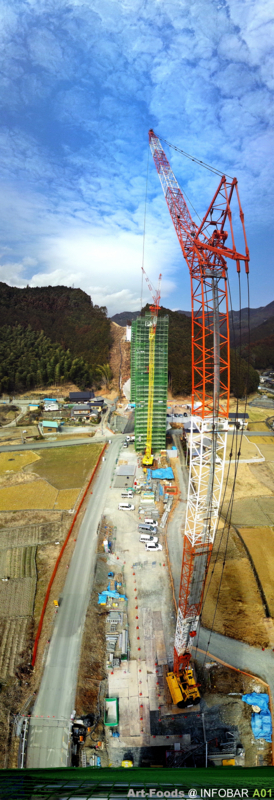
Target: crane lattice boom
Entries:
(205, 249)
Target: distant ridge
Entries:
(124, 317)
(257, 316)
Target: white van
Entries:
(153, 546)
(127, 494)
(150, 521)
(125, 507)
(147, 538)
(143, 526)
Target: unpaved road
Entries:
(48, 741)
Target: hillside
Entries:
(67, 316)
(179, 359)
(261, 345)
(257, 318)
(29, 359)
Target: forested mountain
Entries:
(261, 345)
(257, 318)
(67, 316)
(29, 359)
(179, 359)
(55, 334)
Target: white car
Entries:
(125, 507)
(154, 546)
(150, 521)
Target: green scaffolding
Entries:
(139, 375)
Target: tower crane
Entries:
(154, 308)
(206, 248)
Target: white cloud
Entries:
(81, 86)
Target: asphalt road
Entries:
(44, 445)
(50, 723)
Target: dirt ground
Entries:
(260, 543)
(232, 602)
(224, 688)
(119, 356)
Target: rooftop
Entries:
(126, 469)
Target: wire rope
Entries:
(236, 433)
(198, 161)
(144, 230)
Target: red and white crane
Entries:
(206, 249)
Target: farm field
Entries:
(37, 494)
(239, 612)
(68, 467)
(66, 498)
(14, 462)
(260, 543)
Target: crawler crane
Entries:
(148, 457)
(206, 248)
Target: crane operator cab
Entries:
(183, 688)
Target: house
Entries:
(81, 411)
(49, 400)
(50, 425)
(98, 404)
(80, 397)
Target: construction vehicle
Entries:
(206, 248)
(148, 457)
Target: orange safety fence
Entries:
(59, 559)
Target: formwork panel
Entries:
(140, 380)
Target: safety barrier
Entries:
(59, 559)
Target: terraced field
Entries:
(30, 535)
(17, 597)
(12, 641)
(18, 562)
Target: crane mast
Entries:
(205, 249)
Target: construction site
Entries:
(169, 699)
(160, 650)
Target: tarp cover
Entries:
(261, 723)
(163, 473)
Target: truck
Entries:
(111, 717)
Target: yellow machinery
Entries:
(183, 688)
(148, 457)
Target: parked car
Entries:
(143, 526)
(150, 521)
(125, 444)
(125, 507)
(154, 546)
(147, 538)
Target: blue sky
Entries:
(81, 84)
